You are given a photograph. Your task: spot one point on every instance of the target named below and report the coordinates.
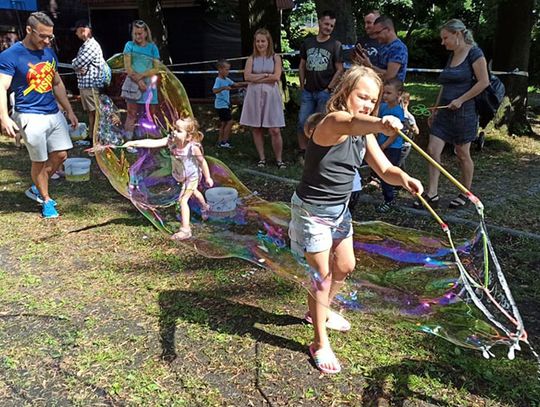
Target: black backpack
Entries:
(489, 100)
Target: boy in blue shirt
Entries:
(222, 88)
(391, 146)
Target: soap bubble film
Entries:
(399, 270)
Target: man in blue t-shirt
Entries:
(393, 54)
(29, 68)
(368, 46)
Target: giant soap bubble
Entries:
(457, 293)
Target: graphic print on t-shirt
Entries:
(40, 77)
(317, 59)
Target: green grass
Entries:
(99, 308)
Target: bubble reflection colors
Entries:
(399, 270)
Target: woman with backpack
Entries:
(456, 121)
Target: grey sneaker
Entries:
(224, 144)
(33, 194)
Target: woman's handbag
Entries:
(130, 89)
(489, 100)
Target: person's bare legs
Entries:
(200, 197)
(302, 141)
(227, 127)
(435, 148)
(321, 295)
(131, 118)
(41, 171)
(91, 123)
(318, 297)
(258, 140)
(184, 209)
(18, 138)
(342, 264)
(466, 164)
(277, 142)
(221, 131)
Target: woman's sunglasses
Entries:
(139, 24)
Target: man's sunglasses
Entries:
(380, 31)
(44, 36)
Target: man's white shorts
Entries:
(43, 134)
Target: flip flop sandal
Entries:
(324, 356)
(461, 201)
(334, 321)
(433, 201)
(182, 234)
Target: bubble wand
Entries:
(473, 198)
(472, 287)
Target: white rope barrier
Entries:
(516, 71)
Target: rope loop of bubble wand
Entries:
(467, 279)
(515, 319)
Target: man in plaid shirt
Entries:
(88, 65)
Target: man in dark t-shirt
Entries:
(29, 68)
(321, 66)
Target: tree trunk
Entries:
(152, 13)
(512, 45)
(255, 14)
(345, 30)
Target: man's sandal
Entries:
(433, 201)
(324, 357)
(461, 201)
(333, 321)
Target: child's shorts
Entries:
(224, 114)
(314, 228)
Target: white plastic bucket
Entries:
(79, 133)
(77, 169)
(222, 201)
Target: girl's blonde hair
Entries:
(349, 81)
(141, 24)
(191, 125)
(270, 49)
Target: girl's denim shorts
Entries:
(314, 228)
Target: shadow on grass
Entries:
(220, 315)
(493, 380)
(392, 384)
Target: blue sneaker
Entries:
(49, 211)
(33, 194)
